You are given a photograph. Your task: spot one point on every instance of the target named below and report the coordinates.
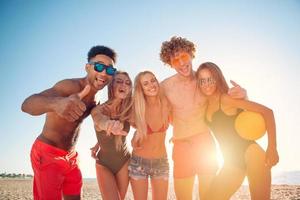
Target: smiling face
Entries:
(121, 86)
(182, 62)
(149, 84)
(207, 82)
(99, 79)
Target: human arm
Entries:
(64, 98)
(136, 142)
(169, 112)
(237, 92)
(272, 157)
(166, 104)
(103, 122)
(131, 119)
(94, 150)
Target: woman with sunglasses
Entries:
(112, 126)
(241, 157)
(149, 157)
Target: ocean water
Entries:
(287, 178)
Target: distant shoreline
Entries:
(279, 178)
(94, 179)
(15, 176)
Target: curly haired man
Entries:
(194, 150)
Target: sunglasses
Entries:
(99, 67)
(183, 57)
(207, 81)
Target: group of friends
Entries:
(198, 104)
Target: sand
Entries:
(22, 189)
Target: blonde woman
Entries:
(112, 126)
(149, 157)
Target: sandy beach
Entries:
(22, 189)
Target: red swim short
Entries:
(194, 155)
(56, 172)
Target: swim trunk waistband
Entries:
(189, 138)
(54, 150)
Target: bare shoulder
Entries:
(226, 99)
(166, 104)
(69, 84)
(168, 82)
(230, 102)
(131, 119)
(67, 87)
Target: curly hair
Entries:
(169, 48)
(94, 51)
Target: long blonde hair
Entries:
(139, 106)
(123, 109)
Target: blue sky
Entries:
(256, 43)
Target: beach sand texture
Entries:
(11, 189)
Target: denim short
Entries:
(141, 168)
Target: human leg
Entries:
(72, 184)
(224, 185)
(44, 187)
(204, 184)
(107, 183)
(159, 189)
(50, 167)
(138, 178)
(139, 188)
(160, 178)
(183, 173)
(205, 161)
(259, 175)
(184, 188)
(191, 156)
(123, 180)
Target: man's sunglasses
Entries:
(183, 57)
(99, 67)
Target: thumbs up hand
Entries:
(72, 108)
(84, 92)
(237, 92)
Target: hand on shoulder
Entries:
(237, 92)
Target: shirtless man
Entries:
(66, 104)
(194, 148)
